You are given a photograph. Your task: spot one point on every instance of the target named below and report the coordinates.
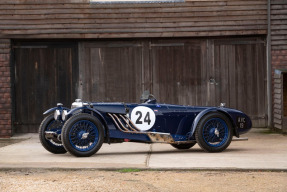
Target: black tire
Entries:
(83, 135)
(214, 132)
(47, 124)
(183, 146)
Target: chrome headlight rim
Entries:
(64, 115)
(57, 114)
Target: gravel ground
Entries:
(94, 180)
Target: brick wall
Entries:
(5, 90)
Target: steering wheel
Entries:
(151, 99)
(147, 98)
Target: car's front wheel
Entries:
(214, 132)
(51, 145)
(83, 135)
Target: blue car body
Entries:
(151, 122)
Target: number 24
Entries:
(146, 118)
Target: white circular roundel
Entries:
(143, 117)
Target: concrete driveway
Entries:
(263, 151)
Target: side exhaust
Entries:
(124, 124)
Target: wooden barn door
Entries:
(179, 71)
(110, 71)
(45, 73)
(237, 77)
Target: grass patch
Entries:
(128, 170)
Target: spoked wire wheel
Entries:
(83, 135)
(51, 145)
(214, 132)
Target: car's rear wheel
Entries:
(183, 146)
(83, 135)
(214, 132)
(50, 124)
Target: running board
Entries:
(240, 139)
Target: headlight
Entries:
(64, 115)
(57, 114)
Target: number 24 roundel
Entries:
(143, 117)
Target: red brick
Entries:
(5, 122)
(5, 63)
(5, 90)
(4, 69)
(5, 127)
(4, 74)
(5, 105)
(5, 136)
(4, 57)
(6, 84)
(5, 116)
(5, 79)
(2, 100)
(5, 131)
(6, 95)
(2, 111)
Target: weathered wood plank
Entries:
(278, 116)
(277, 91)
(136, 15)
(278, 7)
(278, 11)
(246, 2)
(279, 47)
(133, 25)
(278, 32)
(278, 37)
(135, 35)
(127, 5)
(278, 2)
(132, 30)
(277, 81)
(278, 17)
(40, 21)
(277, 111)
(43, 2)
(278, 126)
(278, 27)
(136, 10)
(279, 22)
(278, 101)
(277, 85)
(33, 2)
(277, 121)
(279, 42)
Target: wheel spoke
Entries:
(215, 132)
(84, 135)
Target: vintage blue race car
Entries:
(82, 129)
